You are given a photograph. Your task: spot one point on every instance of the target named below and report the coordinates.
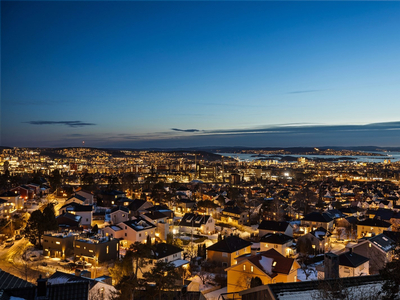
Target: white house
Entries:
(136, 230)
(119, 214)
(197, 223)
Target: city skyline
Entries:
(190, 74)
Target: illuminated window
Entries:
(251, 268)
(244, 267)
(107, 249)
(90, 250)
(58, 243)
(274, 264)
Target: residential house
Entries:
(69, 221)
(371, 227)
(355, 286)
(235, 215)
(119, 214)
(87, 195)
(59, 245)
(161, 221)
(227, 250)
(184, 205)
(75, 199)
(319, 239)
(165, 253)
(85, 211)
(138, 207)
(378, 249)
(130, 232)
(26, 192)
(109, 198)
(191, 223)
(267, 226)
(314, 220)
(96, 249)
(352, 264)
(278, 241)
(270, 266)
(95, 288)
(13, 199)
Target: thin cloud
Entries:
(66, 123)
(185, 130)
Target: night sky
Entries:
(185, 74)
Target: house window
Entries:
(87, 220)
(107, 249)
(224, 254)
(251, 268)
(237, 252)
(126, 234)
(244, 267)
(140, 235)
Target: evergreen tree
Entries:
(164, 275)
(95, 229)
(34, 228)
(49, 218)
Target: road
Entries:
(11, 261)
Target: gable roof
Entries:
(193, 220)
(139, 224)
(320, 233)
(79, 197)
(272, 262)
(276, 238)
(155, 215)
(73, 206)
(305, 289)
(383, 242)
(233, 210)
(374, 223)
(273, 225)
(136, 204)
(8, 281)
(317, 217)
(163, 250)
(229, 245)
(121, 208)
(351, 259)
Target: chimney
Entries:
(331, 266)
(41, 286)
(254, 250)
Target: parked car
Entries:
(34, 257)
(9, 243)
(64, 262)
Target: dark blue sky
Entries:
(181, 74)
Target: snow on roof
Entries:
(320, 234)
(214, 295)
(180, 262)
(266, 263)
